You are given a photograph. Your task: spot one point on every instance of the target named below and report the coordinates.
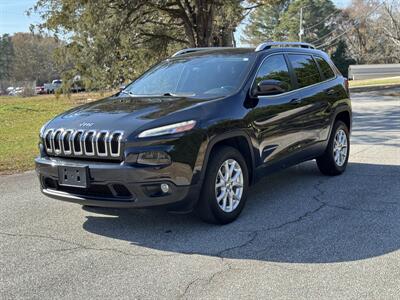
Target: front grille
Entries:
(81, 143)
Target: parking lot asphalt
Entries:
(301, 234)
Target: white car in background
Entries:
(15, 91)
(51, 88)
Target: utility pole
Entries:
(301, 29)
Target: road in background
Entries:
(301, 234)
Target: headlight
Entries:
(168, 129)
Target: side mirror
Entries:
(270, 87)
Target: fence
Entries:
(373, 71)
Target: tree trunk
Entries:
(204, 22)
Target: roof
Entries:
(213, 50)
(233, 50)
(236, 50)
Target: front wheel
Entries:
(225, 187)
(335, 158)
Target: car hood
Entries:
(122, 113)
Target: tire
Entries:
(208, 208)
(327, 163)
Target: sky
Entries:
(13, 18)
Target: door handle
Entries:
(331, 92)
(295, 101)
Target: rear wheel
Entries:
(335, 158)
(225, 187)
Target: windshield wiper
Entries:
(155, 95)
(179, 94)
(127, 93)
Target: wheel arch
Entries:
(344, 114)
(345, 117)
(238, 140)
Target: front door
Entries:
(277, 119)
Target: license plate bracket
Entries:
(73, 176)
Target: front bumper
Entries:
(112, 184)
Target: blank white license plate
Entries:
(73, 176)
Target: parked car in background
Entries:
(77, 88)
(39, 90)
(51, 88)
(9, 89)
(16, 91)
(198, 129)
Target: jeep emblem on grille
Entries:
(85, 124)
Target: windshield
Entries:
(205, 76)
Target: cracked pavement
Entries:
(301, 234)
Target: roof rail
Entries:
(189, 50)
(269, 45)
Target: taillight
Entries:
(346, 85)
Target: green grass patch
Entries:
(21, 120)
(374, 82)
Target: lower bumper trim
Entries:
(88, 200)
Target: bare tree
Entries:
(370, 31)
(391, 24)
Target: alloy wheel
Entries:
(340, 147)
(229, 185)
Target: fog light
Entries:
(165, 188)
(154, 158)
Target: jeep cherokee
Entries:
(196, 130)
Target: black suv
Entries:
(196, 130)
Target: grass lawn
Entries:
(372, 82)
(21, 120)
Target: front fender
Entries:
(209, 144)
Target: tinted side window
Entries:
(325, 68)
(305, 68)
(274, 67)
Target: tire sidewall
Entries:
(339, 126)
(210, 195)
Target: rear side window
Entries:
(325, 68)
(274, 67)
(305, 68)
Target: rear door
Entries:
(334, 91)
(312, 99)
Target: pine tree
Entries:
(6, 57)
(340, 58)
(264, 23)
(281, 21)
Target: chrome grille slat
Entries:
(111, 138)
(79, 140)
(81, 143)
(105, 142)
(63, 136)
(56, 140)
(92, 134)
(47, 140)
